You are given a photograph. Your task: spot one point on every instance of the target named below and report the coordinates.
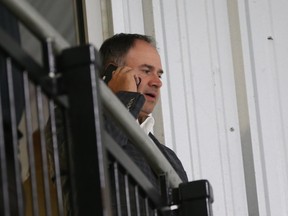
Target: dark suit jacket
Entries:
(135, 101)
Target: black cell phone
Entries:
(108, 73)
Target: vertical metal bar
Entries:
(81, 24)
(146, 200)
(56, 158)
(3, 170)
(127, 193)
(29, 134)
(17, 170)
(155, 212)
(43, 150)
(48, 57)
(137, 200)
(117, 188)
(49, 62)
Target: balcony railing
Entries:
(81, 170)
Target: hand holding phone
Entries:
(109, 73)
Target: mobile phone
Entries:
(108, 73)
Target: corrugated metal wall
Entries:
(199, 99)
(223, 106)
(264, 42)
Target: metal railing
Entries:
(31, 18)
(81, 100)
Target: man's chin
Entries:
(147, 111)
(144, 114)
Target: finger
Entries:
(137, 80)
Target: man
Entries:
(137, 79)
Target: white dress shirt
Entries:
(148, 124)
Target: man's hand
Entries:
(124, 79)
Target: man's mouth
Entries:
(150, 96)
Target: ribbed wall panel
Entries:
(265, 70)
(200, 93)
(223, 101)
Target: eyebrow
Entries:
(152, 67)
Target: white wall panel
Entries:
(200, 93)
(223, 102)
(127, 16)
(96, 12)
(264, 33)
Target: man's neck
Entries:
(141, 119)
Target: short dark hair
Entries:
(115, 48)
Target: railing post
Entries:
(80, 67)
(195, 198)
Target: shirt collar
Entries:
(148, 124)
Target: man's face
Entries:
(145, 59)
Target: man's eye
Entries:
(146, 71)
(160, 75)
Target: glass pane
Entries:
(60, 14)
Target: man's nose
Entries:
(155, 81)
